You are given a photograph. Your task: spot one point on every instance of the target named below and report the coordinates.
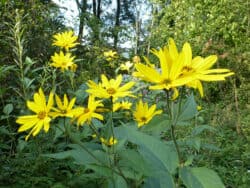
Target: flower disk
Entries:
(65, 40)
(143, 114)
(110, 88)
(42, 117)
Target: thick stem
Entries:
(173, 118)
(94, 130)
(112, 125)
(176, 144)
(113, 146)
(74, 140)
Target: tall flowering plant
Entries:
(124, 140)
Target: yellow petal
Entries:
(187, 53)
(27, 125)
(208, 62)
(34, 107)
(46, 124)
(59, 102)
(172, 49)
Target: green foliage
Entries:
(215, 27)
(200, 177)
(178, 148)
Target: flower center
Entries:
(143, 119)
(86, 110)
(41, 115)
(64, 63)
(166, 81)
(64, 111)
(186, 69)
(111, 91)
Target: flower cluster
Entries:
(64, 59)
(177, 69)
(180, 69)
(45, 112)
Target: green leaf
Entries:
(165, 154)
(8, 109)
(29, 61)
(4, 131)
(101, 171)
(158, 124)
(21, 145)
(4, 146)
(160, 181)
(81, 156)
(200, 178)
(199, 129)
(116, 181)
(27, 82)
(194, 142)
(210, 147)
(133, 160)
(188, 110)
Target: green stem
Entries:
(112, 125)
(113, 135)
(94, 130)
(74, 140)
(67, 129)
(173, 119)
(113, 146)
(176, 144)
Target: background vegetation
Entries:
(218, 27)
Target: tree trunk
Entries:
(117, 22)
(137, 31)
(94, 7)
(98, 9)
(82, 6)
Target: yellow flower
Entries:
(125, 105)
(143, 114)
(111, 141)
(110, 55)
(199, 108)
(65, 108)
(63, 61)
(42, 117)
(136, 59)
(65, 40)
(110, 88)
(86, 114)
(199, 69)
(168, 77)
(126, 66)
